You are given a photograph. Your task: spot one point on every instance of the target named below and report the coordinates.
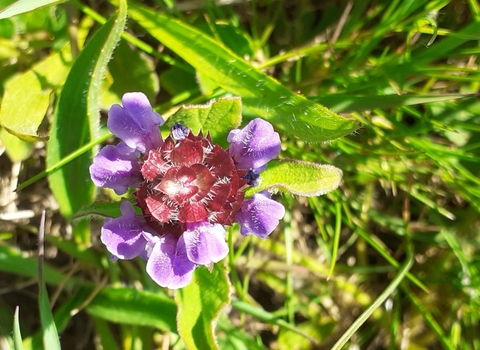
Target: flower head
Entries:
(187, 189)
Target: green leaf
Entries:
(17, 149)
(12, 261)
(27, 97)
(17, 335)
(136, 307)
(259, 92)
(50, 334)
(298, 177)
(348, 103)
(217, 117)
(76, 117)
(97, 211)
(200, 304)
(22, 6)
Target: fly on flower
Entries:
(186, 187)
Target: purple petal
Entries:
(259, 215)
(116, 167)
(168, 264)
(123, 236)
(205, 242)
(254, 146)
(136, 123)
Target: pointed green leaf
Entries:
(50, 334)
(27, 97)
(17, 335)
(298, 177)
(77, 117)
(217, 117)
(259, 92)
(200, 304)
(22, 6)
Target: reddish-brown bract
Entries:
(189, 181)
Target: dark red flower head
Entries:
(188, 181)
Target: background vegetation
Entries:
(407, 70)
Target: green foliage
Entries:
(200, 304)
(388, 259)
(17, 335)
(76, 117)
(22, 6)
(259, 92)
(130, 306)
(298, 177)
(23, 109)
(216, 117)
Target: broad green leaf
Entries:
(136, 307)
(217, 117)
(76, 117)
(298, 177)
(259, 92)
(22, 6)
(27, 97)
(200, 304)
(17, 149)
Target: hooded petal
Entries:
(136, 123)
(168, 264)
(123, 236)
(116, 167)
(259, 215)
(254, 146)
(205, 242)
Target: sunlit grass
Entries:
(401, 233)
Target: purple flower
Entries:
(187, 188)
(168, 264)
(116, 167)
(173, 259)
(136, 123)
(125, 236)
(205, 242)
(259, 215)
(254, 146)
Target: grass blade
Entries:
(50, 335)
(17, 335)
(22, 6)
(376, 304)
